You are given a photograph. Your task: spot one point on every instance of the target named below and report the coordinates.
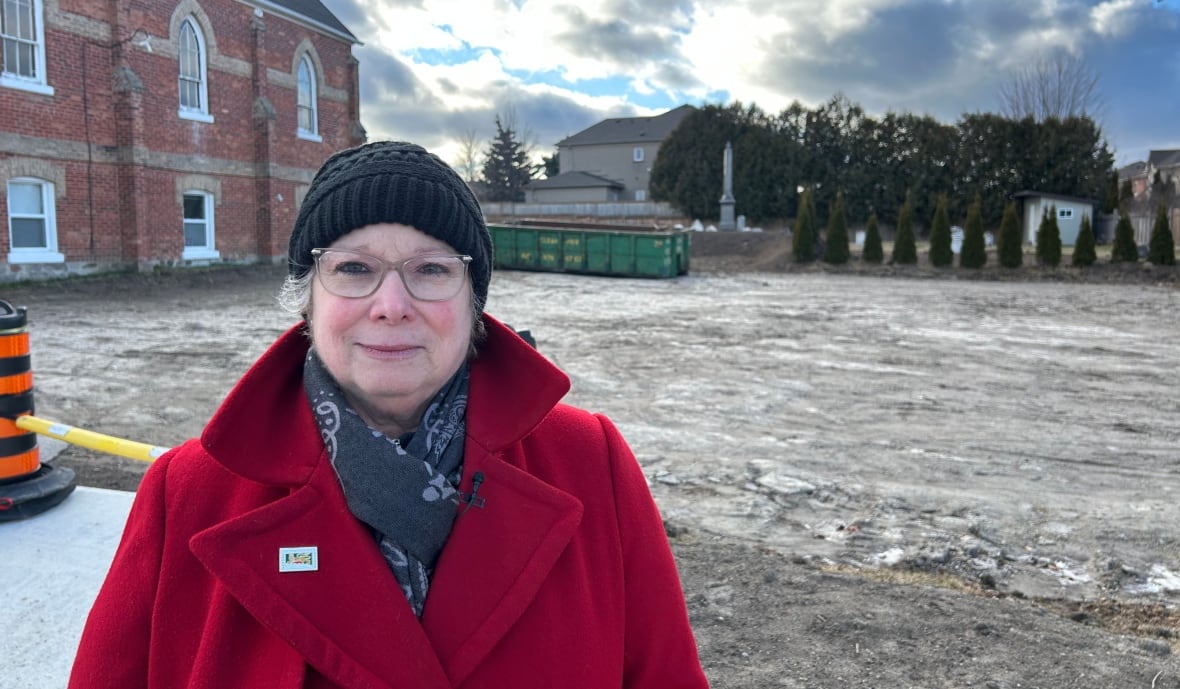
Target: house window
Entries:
(1064, 213)
(23, 37)
(32, 227)
(640, 194)
(308, 127)
(193, 84)
(198, 226)
(637, 154)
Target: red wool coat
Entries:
(562, 579)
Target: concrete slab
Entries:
(51, 567)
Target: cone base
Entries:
(33, 494)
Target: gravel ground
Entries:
(872, 477)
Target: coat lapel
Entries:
(348, 618)
(495, 561)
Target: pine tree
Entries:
(836, 242)
(1011, 243)
(973, 253)
(1084, 253)
(1161, 249)
(1049, 239)
(506, 168)
(872, 251)
(1124, 248)
(905, 250)
(803, 237)
(941, 254)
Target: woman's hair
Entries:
(295, 298)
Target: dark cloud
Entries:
(358, 15)
(899, 49)
(676, 77)
(540, 119)
(673, 13)
(620, 41)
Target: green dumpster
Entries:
(614, 251)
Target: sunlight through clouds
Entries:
(433, 70)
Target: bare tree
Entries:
(468, 162)
(1059, 87)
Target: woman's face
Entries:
(389, 352)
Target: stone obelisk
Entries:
(727, 201)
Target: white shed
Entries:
(1070, 211)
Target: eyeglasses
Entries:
(353, 274)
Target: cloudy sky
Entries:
(435, 71)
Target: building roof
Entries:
(1135, 169)
(574, 180)
(626, 130)
(312, 11)
(1027, 193)
(1166, 158)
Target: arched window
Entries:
(193, 85)
(305, 103)
(32, 222)
(22, 46)
(199, 239)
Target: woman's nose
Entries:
(392, 300)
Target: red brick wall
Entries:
(123, 152)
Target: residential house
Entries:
(1154, 181)
(610, 161)
(1070, 210)
(164, 132)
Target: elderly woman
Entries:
(393, 495)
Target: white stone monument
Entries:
(727, 201)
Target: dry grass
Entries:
(1154, 620)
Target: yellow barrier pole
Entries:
(89, 439)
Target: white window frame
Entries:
(38, 81)
(641, 194)
(208, 250)
(200, 113)
(306, 90)
(1064, 213)
(637, 154)
(46, 253)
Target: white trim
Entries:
(202, 111)
(194, 116)
(9, 81)
(40, 79)
(208, 250)
(312, 133)
(47, 253)
(192, 253)
(637, 154)
(35, 256)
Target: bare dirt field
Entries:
(872, 477)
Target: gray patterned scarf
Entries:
(405, 489)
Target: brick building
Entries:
(164, 132)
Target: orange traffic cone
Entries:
(27, 487)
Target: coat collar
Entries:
(349, 618)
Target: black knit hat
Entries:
(391, 182)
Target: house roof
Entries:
(313, 12)
(1166, 158)
(574, 180)
(626, 130)
(1027, 193)
(1135, 169)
